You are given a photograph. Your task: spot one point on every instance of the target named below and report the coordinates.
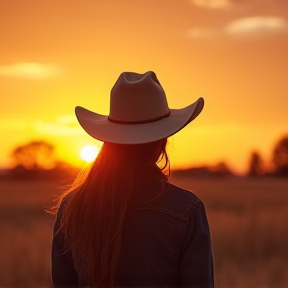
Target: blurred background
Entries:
(56, 55)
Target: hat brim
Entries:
(99, 127)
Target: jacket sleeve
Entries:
(196, 264)
(63, 271)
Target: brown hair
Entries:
(93, 217)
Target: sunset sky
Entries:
(57, 54)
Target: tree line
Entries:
(38, 158)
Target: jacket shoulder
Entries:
(177, 202)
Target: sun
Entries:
(88, 153)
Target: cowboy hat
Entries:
(139, 112)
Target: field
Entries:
(248, 221)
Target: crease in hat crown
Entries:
(137, 98)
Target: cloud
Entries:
(247, 26)
(200, 33)
(30, 70)
(65, 125)
(256, 25)
(212, 4)
(277, 6)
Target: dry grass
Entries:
(26, 231)
(249, 230)
(247, 220)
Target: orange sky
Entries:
(55, 55)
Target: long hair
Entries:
(93, 217)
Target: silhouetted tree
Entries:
(35, 155)
(280, 157)
(256, 167)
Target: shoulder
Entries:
(177, 202)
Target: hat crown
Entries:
(137, 98)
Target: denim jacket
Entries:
(166, 243)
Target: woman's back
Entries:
(164, 243)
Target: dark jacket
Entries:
(166, 243)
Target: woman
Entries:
(123, 224)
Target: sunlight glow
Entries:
(89, 152)
(30, 70)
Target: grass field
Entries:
(248, 221)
